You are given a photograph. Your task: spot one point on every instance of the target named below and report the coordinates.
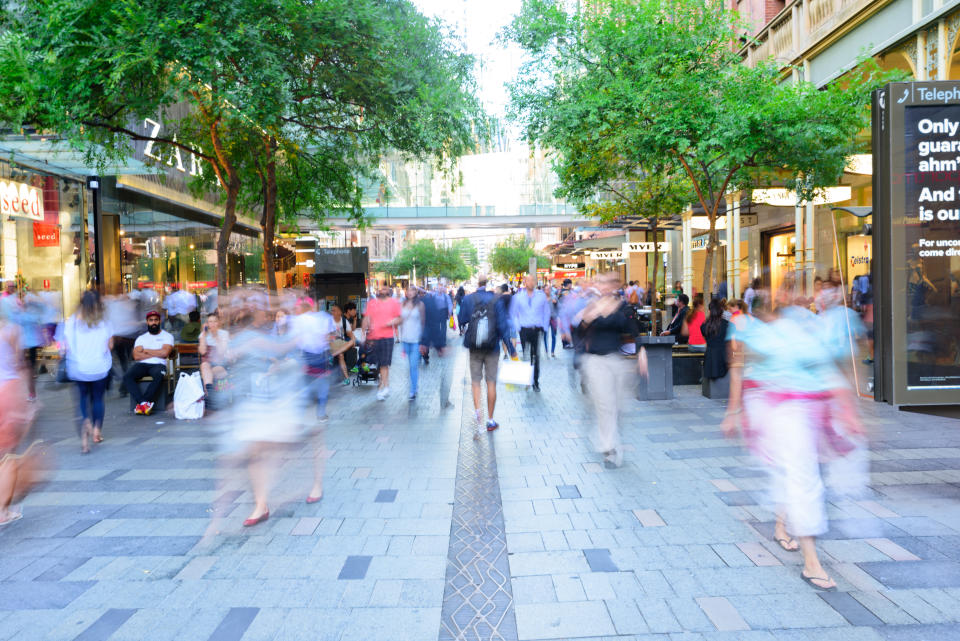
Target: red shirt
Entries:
(694, 322)
(380, 311)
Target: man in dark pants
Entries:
(530, 310)
(150, 351)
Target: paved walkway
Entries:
(424, 533)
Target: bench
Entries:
(687, 366)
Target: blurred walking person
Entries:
(412, 319)
(486, 319)
(87, 338)
(437, 314)
(609, 377)
(796, 411)
(15, 413)
(379, 321)
(530, 310)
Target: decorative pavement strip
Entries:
(478, 597)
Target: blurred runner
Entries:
(530, 310)
(15, 414)
(412, 319)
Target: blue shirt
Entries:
(530, 311)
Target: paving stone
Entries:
(722, 614)
(41, 595)
(568, 491)
(386, 496)
(760, 555)
(850, 609)
(599, 560)
(568, 588)
(564, 620)
(649, 518)
(725, 485)
(893, 550)
(105, 626)
(355, 567)
(916, 574)
(626, 617)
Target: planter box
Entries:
(716, 387)
(658, 386)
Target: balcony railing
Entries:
(801, 24)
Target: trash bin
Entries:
(658, 385)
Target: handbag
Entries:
(516, 373)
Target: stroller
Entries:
(367, 371)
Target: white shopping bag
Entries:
(188, 399)
(516, 373)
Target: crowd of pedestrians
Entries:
(265, 361)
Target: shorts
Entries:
(483, 365)
(381, 351)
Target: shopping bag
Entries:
(188, 401)
(516, 373)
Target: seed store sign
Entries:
(20, 200)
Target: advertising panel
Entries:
(916, 253)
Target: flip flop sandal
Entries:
(810, 581)
(785, 542)
(16, 517)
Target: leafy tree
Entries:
(425, 259)
(512, 256)
(659, 81)
(654, 194)
(93, 71)
(362, 78)
(468, 252)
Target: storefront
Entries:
(44, 245)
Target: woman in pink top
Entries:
(383, 314)
(696, 342)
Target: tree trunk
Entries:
(229, 219)
(708, 263)
(230, 180)
(653, 296)
(269, 221)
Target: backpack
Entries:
(634, 298)
(482, 329)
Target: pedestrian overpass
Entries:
(451, 217)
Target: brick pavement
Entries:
(142, 538)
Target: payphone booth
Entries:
(340, 276)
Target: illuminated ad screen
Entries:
(931, 235)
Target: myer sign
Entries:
(611, 255)
(20, 200)
(645, 248)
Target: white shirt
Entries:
(88, 349)
(312, 331)
(154, 341)
(180, 302)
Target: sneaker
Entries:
(323, 420)
(147, 409)
(139, 408)
(382, 394)
(412, 398)
(492, 425)
(346, 382)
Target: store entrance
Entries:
(779, 255)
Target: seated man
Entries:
(341, 348)
(150, 352)
(676, 325)
(191, 331)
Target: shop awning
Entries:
(57, 156)
(598, 244)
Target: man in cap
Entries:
(150, 353)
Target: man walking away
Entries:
(487, 323)
(531, 313)
(383, 315)
(150, 351)
(437, 310)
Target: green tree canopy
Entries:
(512, 256)
(426, 259)
(647, 82)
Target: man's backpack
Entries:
(482, 330)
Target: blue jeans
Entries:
(553, 335)
(91, 400)
(317, 387)
(412, 351)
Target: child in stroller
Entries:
(367, 371)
